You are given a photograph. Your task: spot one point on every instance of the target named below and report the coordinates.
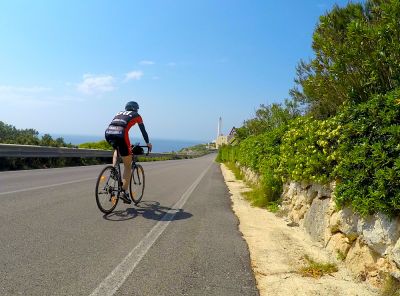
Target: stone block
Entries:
(338, 243)
(316, 219)
(285, 189)
(379, 232)
(332, 207)
(311, 193)
(299, 201)
(297, 215)
(395, 254)
(292, 190)
(324, 191)
(345, 221)
(359, 259)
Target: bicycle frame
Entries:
(113, 191)
(133, 164)
(118, 169)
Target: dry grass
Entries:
(316, 269)
(235, 170)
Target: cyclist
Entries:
(117, 134)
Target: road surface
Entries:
(181, 240)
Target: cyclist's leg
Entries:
(113, 141)
(124, 150)
(127, 171)
(115, 157)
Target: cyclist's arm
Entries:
(144, 133)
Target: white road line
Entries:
(46, 186)
(49, 169)
(118, 276)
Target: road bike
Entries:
(109, 182)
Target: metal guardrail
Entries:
(11, 150)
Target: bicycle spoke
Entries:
(107, 189)
(136, 186)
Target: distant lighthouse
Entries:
(219, 132)
(221, 139)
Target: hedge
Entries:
(359, 149)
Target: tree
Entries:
(268, 118)
(357, 55)
(10, 135)
(47, 140)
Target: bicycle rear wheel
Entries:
(107, 189)
(136, 186)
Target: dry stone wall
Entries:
(369, 246)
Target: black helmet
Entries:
(131, 106)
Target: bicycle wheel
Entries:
(107, 190)
(136, 186)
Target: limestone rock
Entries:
(297, 215)
(332, 207)
(345, 221)
(292, 190)
(360, 258)
(395, 253)
(285, 189)
(311, 193)
(338, 243)
(315, 220)
(379, 232)
(250, 176)
(334, 223)
(396, 274)
(323, 191)
(299, 201)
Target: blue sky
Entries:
(68, 66)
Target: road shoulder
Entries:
(278, 251)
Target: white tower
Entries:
(219, 127)
(221, 139)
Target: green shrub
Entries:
(368, 171)
(261, 154)
(359, 149)
(101, 145)
(308, 150)
(227, 153)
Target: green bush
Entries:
(353, 83)
(101, 145)
(261, 154)
(308, 150)
(359, 148)
(368, 171)
(227, 153)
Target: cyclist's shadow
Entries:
(152, 210)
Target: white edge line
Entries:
(118, 276)
(46, 186)
(49, 169)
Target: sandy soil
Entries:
(277, 252)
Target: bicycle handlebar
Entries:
(142, 146)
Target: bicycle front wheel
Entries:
(107, 189)
(136, 186)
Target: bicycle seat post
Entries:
(118, 156)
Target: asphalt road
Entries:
(182, 239)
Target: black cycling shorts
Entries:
(118, 142)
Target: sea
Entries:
(159, 145)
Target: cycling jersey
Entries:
(118, 130)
